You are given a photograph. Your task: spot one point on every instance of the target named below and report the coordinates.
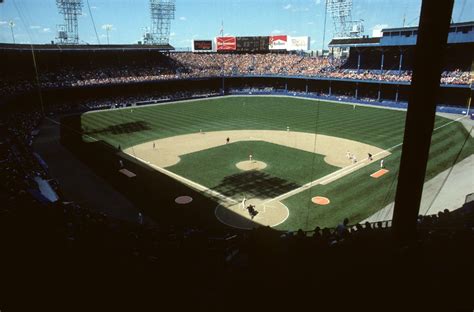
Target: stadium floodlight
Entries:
(12, 24)
(107, 27)
(68, 32)
(341, 13)
(162, 12)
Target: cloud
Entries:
(182, 18)
(172, 34)
(379, 26)
(94, 7)
(276, 31)
(295, 9)
(3, 23)
(109, 26)
(35, 27)
(377, 30)
(47, 30)
(318, 1)
(310, 23)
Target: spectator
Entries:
(341, 229)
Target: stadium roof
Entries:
(85, 47)
(353, 42)
(416, 27)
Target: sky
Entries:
(35, 20)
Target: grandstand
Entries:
(120, 168)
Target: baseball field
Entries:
(300, 163)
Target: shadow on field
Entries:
(254, 184)
(127, 127)
(149, 191)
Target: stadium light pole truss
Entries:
(162, 12)
(68, 33)
(12, 24)
(108, 28)
(341, 13)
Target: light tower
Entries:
(12, 24)
(68, 32)
(162, 12)
(107, 27)
(341, 13)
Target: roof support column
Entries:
(401, 62)
(381, 62)
(358, 61)
(432, 40)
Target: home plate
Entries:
(379, 173)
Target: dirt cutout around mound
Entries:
(320, 200)
(247, 165)
(166, 152)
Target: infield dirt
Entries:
(167, 151)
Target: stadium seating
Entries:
(57, 70)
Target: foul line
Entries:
(202, 188)
(346, 170)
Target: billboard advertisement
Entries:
(278, 42)
(202, 45)
(252, 44)
(226, 43)
(298, 43)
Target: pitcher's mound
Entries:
(238, 216)
(251, 165)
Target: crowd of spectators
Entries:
(193, 65)
(196, 65)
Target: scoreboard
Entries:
(202, 45)
(253, 44)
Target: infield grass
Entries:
(216, 169)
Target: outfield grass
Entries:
(127, 127)
(356, 196)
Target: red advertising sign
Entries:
(226, 43)
(278, 42)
